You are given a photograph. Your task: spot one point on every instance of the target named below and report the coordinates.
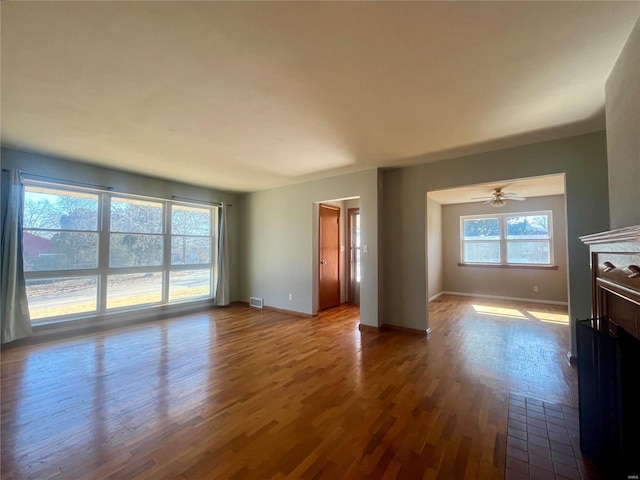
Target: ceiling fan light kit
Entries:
(499, 198)
(497, 202)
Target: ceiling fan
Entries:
(499, 198)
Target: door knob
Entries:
(323, 262)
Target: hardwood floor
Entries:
(242, 393)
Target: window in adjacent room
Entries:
(507, 239)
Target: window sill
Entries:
(521, 267)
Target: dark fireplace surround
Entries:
(608, 347)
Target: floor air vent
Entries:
(255, 302)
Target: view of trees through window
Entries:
(60, 231)
(508, 238)
(158, 251)
(137, 228)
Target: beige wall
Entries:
(435, 276)
(623, 134)
(514, 283)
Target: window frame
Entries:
(104, 271)
(503, 241)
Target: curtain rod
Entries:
(69, 182)
(218, 204)
(103, 187)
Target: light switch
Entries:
(365, 248)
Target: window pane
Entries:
(482, 228)
(190, 220)
(187, 284)
(528, 252)
(59, 209)
(482, 252)
(190, 250)
(54, 297)
(130, 250)
(136, 216)
(527, 227)
(134, 289)
(59, 250)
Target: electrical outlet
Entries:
(291, 297)
(535, 289)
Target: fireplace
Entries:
(608, 347)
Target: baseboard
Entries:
(412, 331)
(370, 328)
(435, 297)
(289, 312)
(511, 299)
(396, 328)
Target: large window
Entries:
(507, 239)
(92, 252)
(191, 253)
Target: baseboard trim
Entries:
(396, 328)
(289, 312)
(511, 299)
(369, 328)
(435, 297)
(412, 331)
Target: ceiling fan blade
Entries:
(520, 199)
(488, 202)
(481, 198)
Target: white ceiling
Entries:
(524, 187)
(252, 95)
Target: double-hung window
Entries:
(507, 239)
(89, 252)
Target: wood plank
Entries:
(245, 393)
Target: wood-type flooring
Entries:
(239, 393)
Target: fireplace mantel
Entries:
(609, 355)
(615, 278)
(620, 236)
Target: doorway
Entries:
(353, 279)
(329, 253)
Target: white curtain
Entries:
(15, 309)
(222, 288)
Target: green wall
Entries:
(623, 134)
(274, 233)
(583, 160)
(279, 251)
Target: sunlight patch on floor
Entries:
(558, 318)
(499, 312)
